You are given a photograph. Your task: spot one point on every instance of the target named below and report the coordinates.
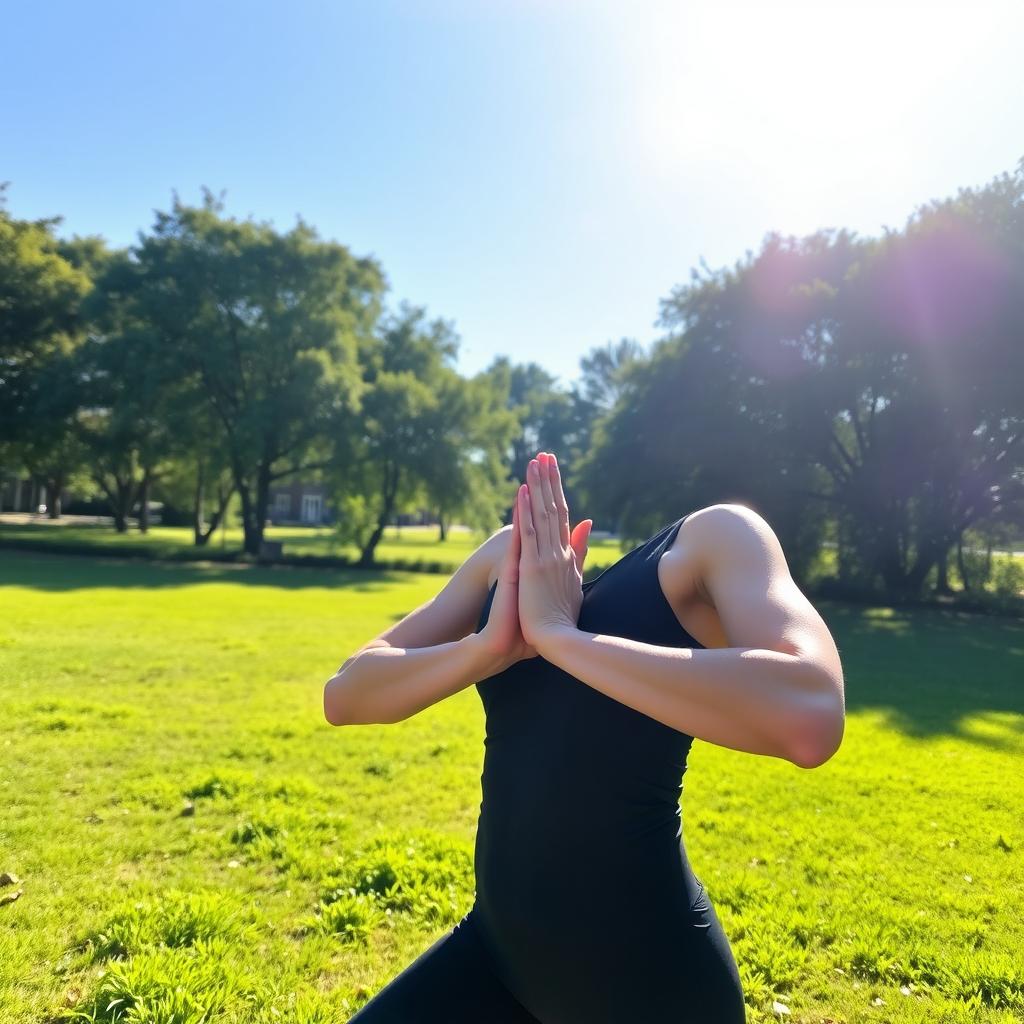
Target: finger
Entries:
(510, 548)
(581, 541)
(514, 547)
(547, 496)
(550, 508)
(561, 505)
(527, 534)
(537, 509)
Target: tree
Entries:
(602, 372)
(876, 379)
(53, 450)
(935, 442)
(421, 433)
(465, 472)
(550, 419)
(41, 291)
(264, 326)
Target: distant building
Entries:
(292, 503)
(302, 503)
(298, 501)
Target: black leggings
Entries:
(452, 982)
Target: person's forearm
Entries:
(758, 701)
(387, 684)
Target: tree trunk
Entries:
(54, 486)
(927, 558)
(442, 527)
(223, 500)
(387, 510)
(366, 555)
(201, 532)
(942, 583)
(254, 510)
(961, 565)
(121, 499)
(890, 566)
(120, 520)
(144, 503)
(250, 542)
(198, 536)
(260, 509)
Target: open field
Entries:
(410, 547)
(411, 542)
(195, 843)
(406, 543)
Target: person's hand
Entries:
(551, 556)
(501, 635)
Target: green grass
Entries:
(410, 542)
(406, 544)
(195, 844)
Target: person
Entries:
(587, 910)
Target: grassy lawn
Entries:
(412, 542)
(406, 543)
(194, 843)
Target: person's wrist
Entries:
(486, 661)
(547, 637)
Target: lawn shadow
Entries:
(932, 670)
(60, 572)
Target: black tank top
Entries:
(584, 892)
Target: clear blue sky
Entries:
(541, 173)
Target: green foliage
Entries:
(1008, 577)
(40, 296)
(421, 434)
(869, 384)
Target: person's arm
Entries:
(430, 654)
(386, 684)
(777, 691)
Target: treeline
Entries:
(865, 395)
(217, 356)
(868, 392)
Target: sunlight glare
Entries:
(804, 99)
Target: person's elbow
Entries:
(821, 740)
(340, 709)
(335, 708)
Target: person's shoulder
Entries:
(729, 531)
(726, 519)
(716, 534)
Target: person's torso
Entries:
(564, 764)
